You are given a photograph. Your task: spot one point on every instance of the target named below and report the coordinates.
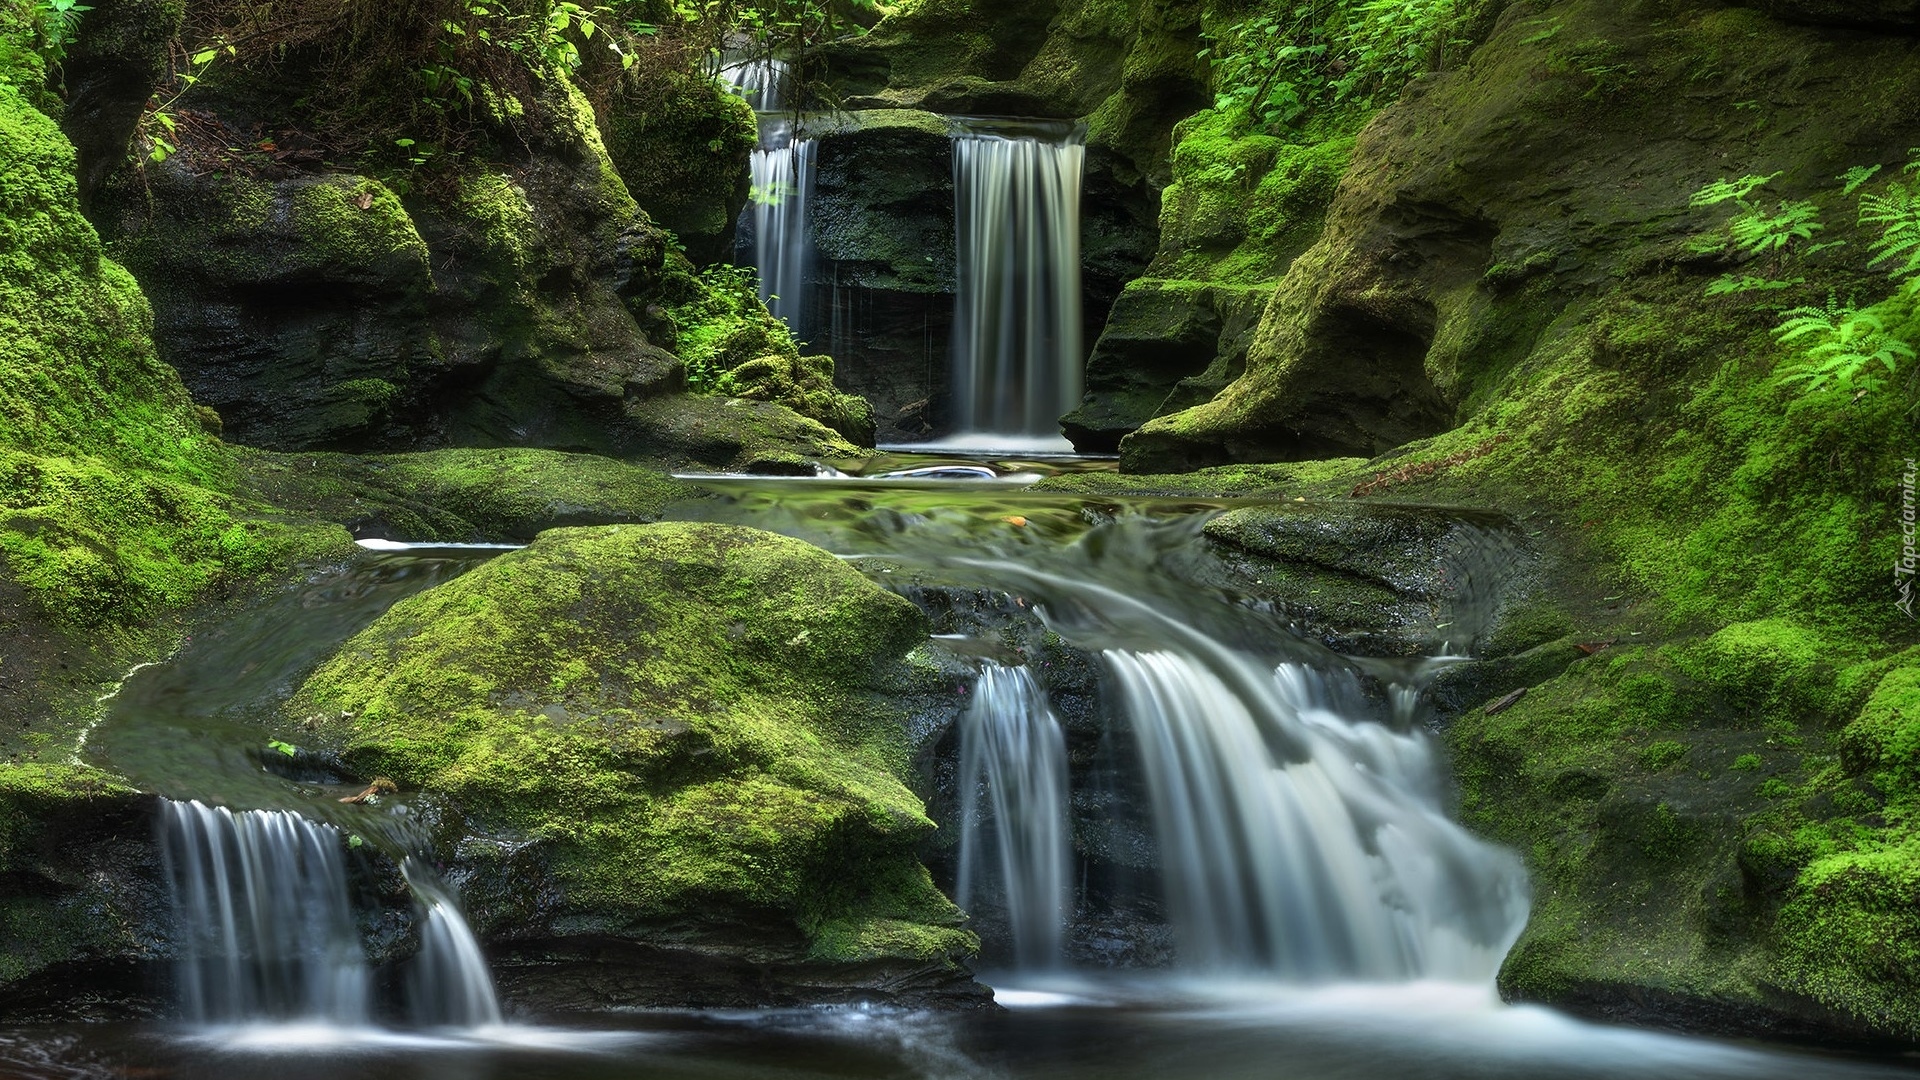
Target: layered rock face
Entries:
(884, 228)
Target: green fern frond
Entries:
(1896, 211)
(1841, 347)
(1857, 176)
(1730, 190)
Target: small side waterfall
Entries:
(1300, 841)
(762, 80)
(449, 985)
(1011, 743)
(1017, 352)
(776, 226)
(267, 933)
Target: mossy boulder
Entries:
(1703, 856)
(81, 908)
(681, 141)
(734, 347)
(684, 720)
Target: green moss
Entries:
(499, 213)
(1243, 203)
(681, 143)
(354, 221)
(462, 495)
(679, 710)
(733, 346)
(30, 794)
(1663, 754)
(115, 500)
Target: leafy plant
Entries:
(1761, 233)
(1896, 211)
(1298, 56)
(56, 23)
(1845, 348)
(1856, 177)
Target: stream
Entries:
(1329, 918)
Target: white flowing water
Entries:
(1012, 746)
(1017, 349)
(449, 985)
(267, 933)
(761, 80)
(1301, 835)
(782, 177)
(1304, 843)
(266, 929)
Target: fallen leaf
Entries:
(1506, 703)
(365, 201)
(1015, 520)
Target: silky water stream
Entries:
(1324, 916)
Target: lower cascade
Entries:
(266, 929)
(1305, 844)
(1012, 745)
(450, 985)
(267, 932)
(1017, 324)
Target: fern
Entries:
(1761, 233)
(1840, 348)
(1897, 213)
(1727, 284)
(1854, 178)
(1735, 191)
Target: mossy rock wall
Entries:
(881, 225)
(1706, 789)
(681, 142)
(118, 512)
(686, 721)
(515, 296)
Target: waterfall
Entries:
(1011, 744)
(266, 931)
(1017, 353)
(761, 80)
(449, 985)
(1301, 839)
(776, 225)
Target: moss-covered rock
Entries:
(1242, 206)
(681, 142)
(516, 296)
(734, 347)
(116, 501)
(461, 496)
(78, 903)
(682, 717)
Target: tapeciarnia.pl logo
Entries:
(1904, 569)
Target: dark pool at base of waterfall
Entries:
(1111, 1031)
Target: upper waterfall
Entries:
(1017, 349)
